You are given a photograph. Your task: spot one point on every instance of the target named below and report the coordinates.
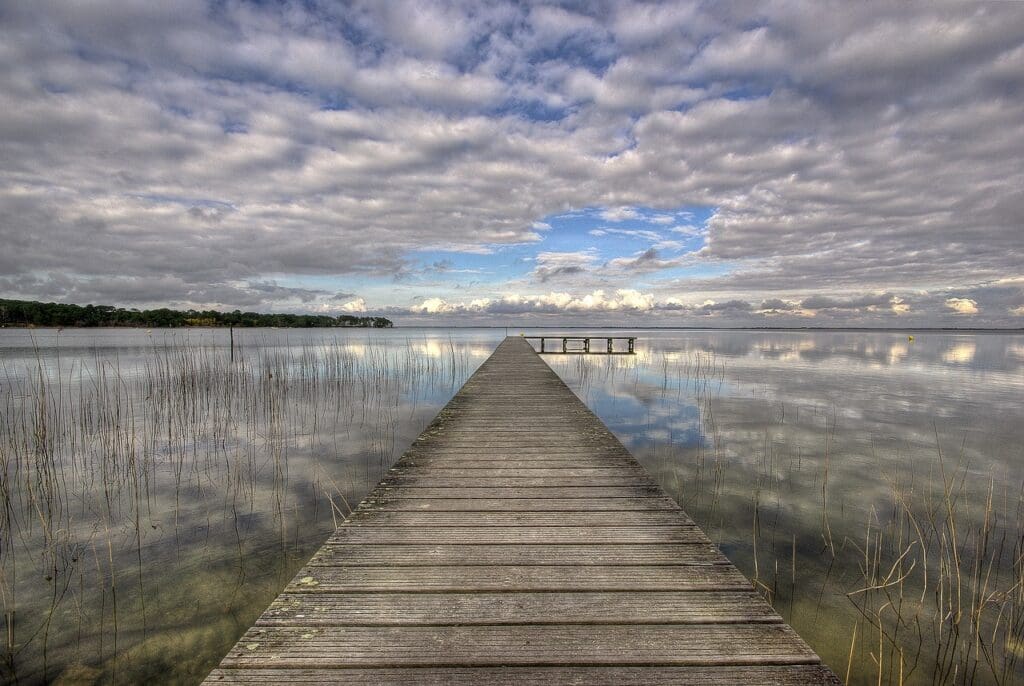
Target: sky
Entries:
(503, 163)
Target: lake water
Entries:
(158, 494)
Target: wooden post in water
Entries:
(231, 333)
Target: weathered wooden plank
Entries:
(428, 479)
(707, 644)
(513, 424)
(569, 440)
(519, 504)
(563, 461)
(520, 492)
(520, 449)
(576, 675)
(516, 453)
(475, 578)
(488, 460)
(573, 474)
(396, 535)
(439, 609)
(474, 411)
(364, 554)
(538, 436)
(385, 518)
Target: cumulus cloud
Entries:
(354, 306)
(884, 308)
(622, 300)
(962, 305)
(876, 306)
(553, 265)
(433, 306)
(619, 214)
(776, 307)
(198, 152)
(869, 303)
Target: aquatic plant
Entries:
(897, 551)
(152, 506)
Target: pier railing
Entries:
(559, 344)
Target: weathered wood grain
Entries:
(442, 609)
(389, 504)
(566, 461)
(432, 480)
(519, 452)
(515, 492)
(517, 541)
(576, 675)
(400, 535)
(546, 578)
(369, 555)
(350, 646)
(614, 518)
(543, 473)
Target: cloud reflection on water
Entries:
(797, 440)
(183, 490)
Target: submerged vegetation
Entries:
(31, 313)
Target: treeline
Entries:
(30, 313)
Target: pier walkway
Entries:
(518, 542)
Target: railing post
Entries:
(586, 348)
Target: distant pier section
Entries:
(563, 344)
(518, 542)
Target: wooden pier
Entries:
(581, 345)
(518, 542)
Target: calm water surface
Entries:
(869, 484)
(158, 494)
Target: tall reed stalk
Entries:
(913, 555)
(119, 477)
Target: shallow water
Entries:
(869, 484)
(159, 495)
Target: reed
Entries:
(124, 482)
(904, 562)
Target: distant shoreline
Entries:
(188, 326)
(36, 314)
(910, 329)
(551, 328)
